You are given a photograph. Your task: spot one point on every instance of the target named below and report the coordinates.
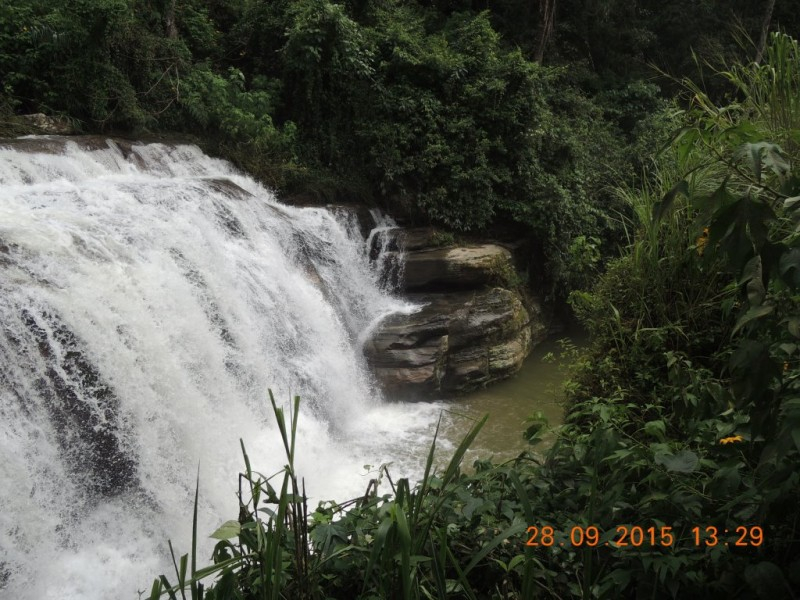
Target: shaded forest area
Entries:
(463, 114)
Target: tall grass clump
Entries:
(417, 542)
(768, 90)
(270, 554)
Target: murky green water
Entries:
(537, 387)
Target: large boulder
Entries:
(432, 262)
(455, 342)
(458, 267)
(420, 238)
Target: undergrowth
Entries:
(677, 471)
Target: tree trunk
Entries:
(547, 13)
(762, 40)
(169, 20)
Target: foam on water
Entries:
(149, 297)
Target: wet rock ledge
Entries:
(474, 328)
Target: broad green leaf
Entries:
(774, 158)
(684, 142)
(751, 153)
(519, 558)
(226, 531)
(752, 275)
(684, 462)
(789, 267)
(747, 354)
(765, 154)
(657, 429)
(791, 407)
(654, 497)
(793, 325)
(754, 313)
(708, 205)
(662, 206)
(742, 132)
(791, 203)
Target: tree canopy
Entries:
(467, 114)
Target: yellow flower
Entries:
(701, 241)
(731, 440)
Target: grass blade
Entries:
(194, 537)
(511, 532)
(523, 496)
(377, 546)
(177, 570)
(461, 576)
(458, 455)
(416, 509)
(155, 591)
(404, 537)
(168, 588)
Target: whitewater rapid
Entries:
(149, 297)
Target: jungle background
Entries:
(645, 151)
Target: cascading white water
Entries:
(149, 297)
(379, 243)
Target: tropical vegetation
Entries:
(677, 471)
(513, 117)
(650, 161)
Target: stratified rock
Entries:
(409, 350)
(418, 238)
(456, 342)
(401, 239)
(459, 267)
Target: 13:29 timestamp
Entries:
(744, 536)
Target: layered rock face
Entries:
(471, 330)
(457, 267)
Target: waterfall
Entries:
(382, 248)
(149, 297)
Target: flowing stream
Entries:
(149, 298)
(537, 387)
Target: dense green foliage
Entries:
(471, 115)
(687, 406)
(684, 414)
(524, 115)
